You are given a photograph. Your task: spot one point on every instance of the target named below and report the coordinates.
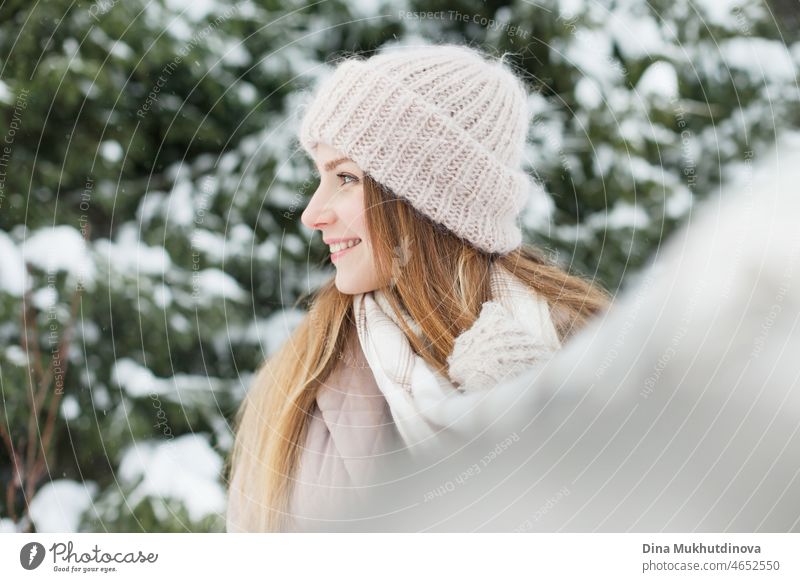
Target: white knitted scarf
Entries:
(513, 332)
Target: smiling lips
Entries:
(339, 248)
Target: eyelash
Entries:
(347, 176)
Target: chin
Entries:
(347, 287)
(352, 287)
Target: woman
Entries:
(419, 152)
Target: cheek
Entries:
(353, 214)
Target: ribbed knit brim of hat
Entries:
(441, 126)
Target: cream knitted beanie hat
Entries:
(442, 126)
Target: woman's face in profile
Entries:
(337, 210)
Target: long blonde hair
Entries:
(439, 279)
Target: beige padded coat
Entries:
(350, 430)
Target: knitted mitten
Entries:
(495, 348)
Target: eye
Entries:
(343, 176)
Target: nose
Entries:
(317, 213)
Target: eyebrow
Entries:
(333, 163)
